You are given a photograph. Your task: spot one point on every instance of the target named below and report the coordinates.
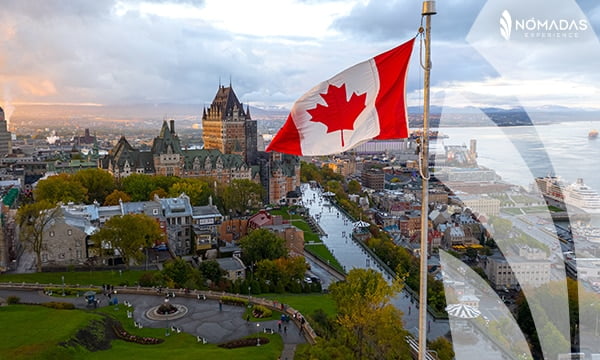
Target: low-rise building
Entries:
(67, 240)
(528, 267)
(233, 266)
(205, 222)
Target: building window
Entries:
(69, 232)
(79, 254)
(154, 211)
(44, 257)
(51, 234)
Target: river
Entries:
(520, 153)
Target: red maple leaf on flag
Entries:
(340, 114)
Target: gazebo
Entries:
(462, 311)
(360, 229)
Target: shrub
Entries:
(259, 312)
(147, 279)
(11, 300)
(244, 342)
(124, 335)
(68, 291)
(59, 305)
(232, 300)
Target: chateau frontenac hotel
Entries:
(230, 152)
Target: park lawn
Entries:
(284, 213)
(321, 251)
(33, 332)
(83, 278)
(178, 346)
(306, 303)
(312, 237)
(185, 346)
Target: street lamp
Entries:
(258, 334)
(167, 317)
(63, 282)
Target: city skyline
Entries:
(152, 52)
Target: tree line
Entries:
(90, 186)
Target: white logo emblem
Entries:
(505, 25)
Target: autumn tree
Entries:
(443, 348)
(99, 183)
(129, 234)
(262, 244)
(60, 188)
(33, 220)
(197, 190)
(114, 197)
(369, 324)
(158, 193)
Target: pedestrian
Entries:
(247, 319)
(279, 325)
(220, 305)
(285, 329)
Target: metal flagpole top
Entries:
(428, 8)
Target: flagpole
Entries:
(428, 10)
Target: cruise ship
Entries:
(582, 196)
(577, 194)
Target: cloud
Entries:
(396, 19)
(152, 51)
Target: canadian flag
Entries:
(366, 101)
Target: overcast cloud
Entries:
(115, 52)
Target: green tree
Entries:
(471, 253)
(129, 234)
(139, 186)
(309, 171)
(335, 187)
(211, 270)
(114, 197)
(99, 184)
(181, 274)
(262, 244)
(283, 274)
(354, 187)
(60, 188)
(241, 196)
(443, 348)
(33, 220)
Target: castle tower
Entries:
(228, 128)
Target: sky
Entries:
(272, 51)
